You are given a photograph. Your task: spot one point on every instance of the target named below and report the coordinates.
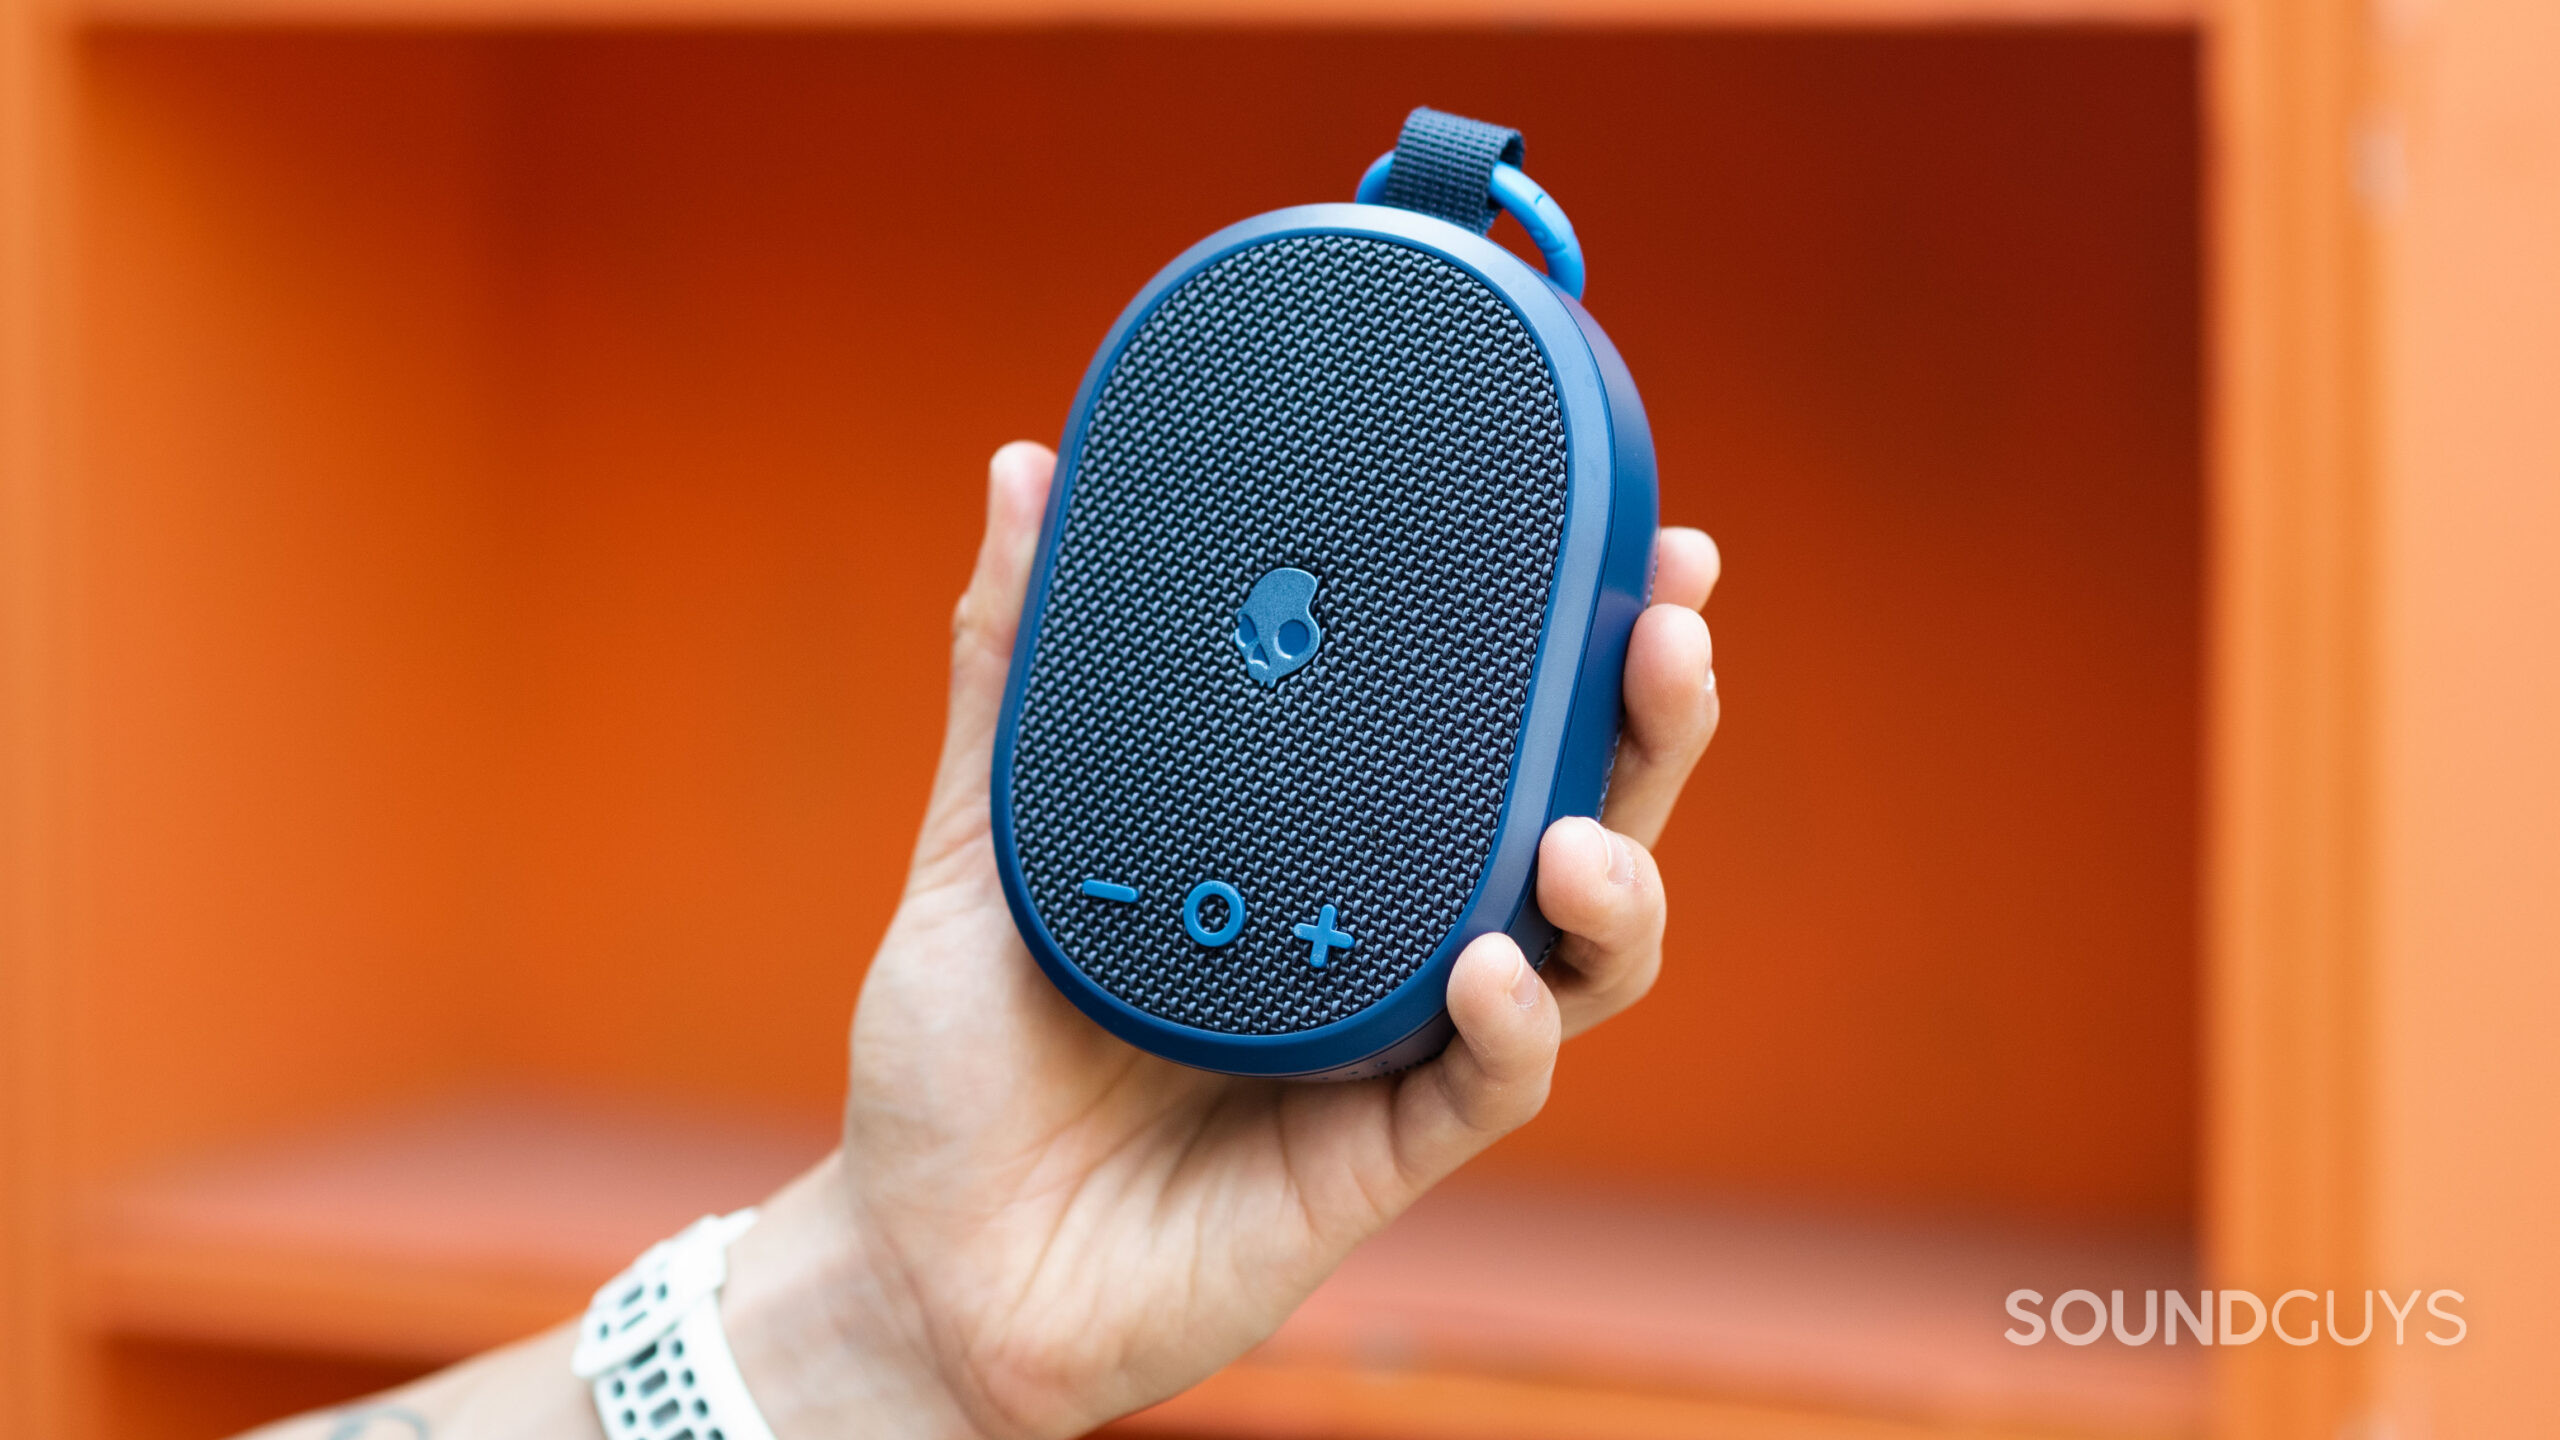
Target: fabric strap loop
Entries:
(1444, 166)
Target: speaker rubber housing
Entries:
(1568, 726)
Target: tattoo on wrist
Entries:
(380, 1422)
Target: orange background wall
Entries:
(513, 696)
(295, 702)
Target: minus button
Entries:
(1105, 890)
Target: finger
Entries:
(1686, 566)
(1602, 890)
(983, 627)
(1670, 715)
(991, 608)
(1493, 1077)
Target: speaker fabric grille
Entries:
(1378, 417)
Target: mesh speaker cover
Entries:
(1378, 417)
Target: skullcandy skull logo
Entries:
(1275, 630)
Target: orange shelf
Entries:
(1650, 1297)
(437, 1233)
(1390, 13)
(1255, 1401)
(499, 440)
(425, 1237)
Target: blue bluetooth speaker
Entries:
(1353, 516)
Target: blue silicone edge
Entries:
(1626, 585)
(1569, 725)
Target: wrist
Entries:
(829, 1348)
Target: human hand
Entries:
(1038, 1227)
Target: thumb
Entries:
(982, 632)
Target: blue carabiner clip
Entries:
(1528, 202)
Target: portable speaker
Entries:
(1353, 517)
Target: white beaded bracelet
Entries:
(653, 1346)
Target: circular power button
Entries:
(1229, 928)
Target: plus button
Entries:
(1322, 939)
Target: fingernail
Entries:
(1711, 679)
(1525, 986)
(1622, 860)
